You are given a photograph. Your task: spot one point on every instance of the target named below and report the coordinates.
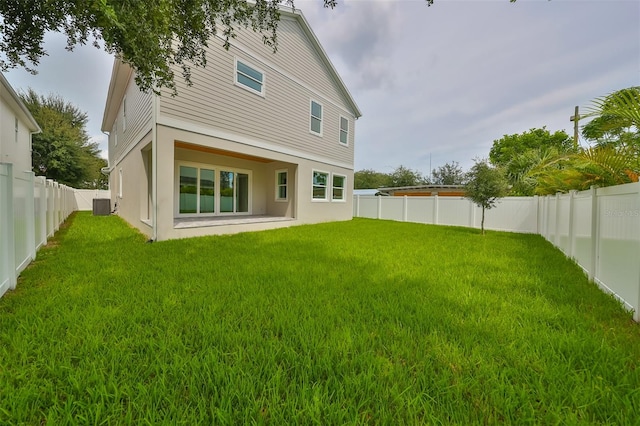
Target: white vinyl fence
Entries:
(31, 211)
(598, 228)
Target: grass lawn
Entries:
(361, 322)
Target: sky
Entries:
(434, 84)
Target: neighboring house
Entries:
(424, 191)
(261, 140)
(16, 127)
(16, 184)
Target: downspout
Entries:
(154, 167)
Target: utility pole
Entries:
(575, 118)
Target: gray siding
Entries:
(139, 119)
(282, 116)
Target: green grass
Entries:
(361, 322)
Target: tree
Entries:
(370, 179)
(149, 35)
(404, 176)
(449, 174)
(518, 153)
(485, 185)
(63, 151)
(616, 120)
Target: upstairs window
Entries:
(315, 125)
(249, 78)
(344, 131)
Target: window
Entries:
(315, 126)
(124, 114)
(17, 124)
(249, 78)
(344, 130)
(211, 191)
(197, 190)
(281, 185)
(338, 188)
(320, 180)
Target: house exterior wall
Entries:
(129, 187)
(12, 150)
(281, 118)
(139, 121)
(219, 123)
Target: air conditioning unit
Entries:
(101, 206)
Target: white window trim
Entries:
(344, 189)
(327, 187)
(217, 169)
(277, 198)
(242, 86)
(311, 102)
(340, 130)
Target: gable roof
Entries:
(121, 73)
(297, 13)
(12, 98)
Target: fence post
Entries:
(571, 233)
(8, 215)
(435, 209)
(30, 214)
(636, 312)
(536, 204)
(405, 202)
(379, 207)
(595, 231)
(357, 205)
(556, 236)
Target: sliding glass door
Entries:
(209, 191)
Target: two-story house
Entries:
(260, 140)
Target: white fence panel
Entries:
(84, 197)
(515, 214)
(582, 241)
(392, 208)
(7, 263)
(456, 211)
(421, 209)
(31, 210)
(618, 247)
(23, 225)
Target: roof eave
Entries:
(297, 14)
(120, 76)
(24, 112)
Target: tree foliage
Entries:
(517, 154)
(404, 176)
(449, 174)
(485, 185)
(613, 159)
(63, 151)
(370, 179)
(616, 120)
